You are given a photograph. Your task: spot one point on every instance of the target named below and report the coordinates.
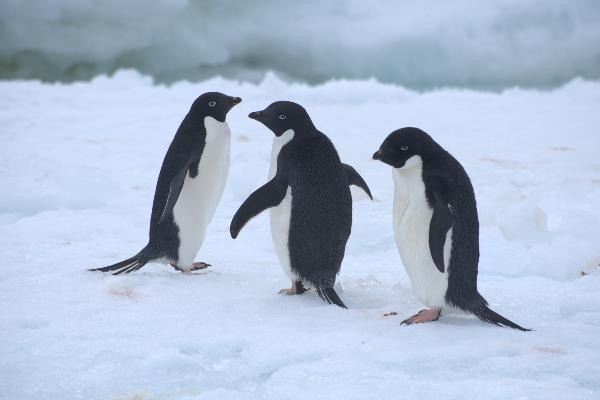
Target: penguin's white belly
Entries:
(200, 195)
(412, 216)
(281, 215)
(280, 232)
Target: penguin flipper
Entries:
(355, 179)
(267, 196)
(174, 191)
(441, 222)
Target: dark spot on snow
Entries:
(125, 292)
(561, 148)
(547, 349)
(501, 162)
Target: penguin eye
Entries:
(404, 148)
(282, 116)
(212, 103)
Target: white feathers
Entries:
(280, 215)
(412, 216)
(200, 195)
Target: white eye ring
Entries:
(212, 103)
(404, 148)
(282, 116)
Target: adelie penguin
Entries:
(189, 187)
(436, 226)
(309, 198)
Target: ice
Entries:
(492, 44)
(78, 165)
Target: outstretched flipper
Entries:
(441, 222)
(355, 179)
(267, 196)
(329, 295)
(174, 190)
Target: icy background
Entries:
(488, 44)
(78, 165)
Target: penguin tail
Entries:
(329, 295)
(126, 266)
(481, 310)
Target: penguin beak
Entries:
(236, 100)
(255, 115)
(377, 155)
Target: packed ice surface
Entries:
(78, 165)
(493, 43)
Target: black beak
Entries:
(377, 155)
(236, 100)
(255, 115)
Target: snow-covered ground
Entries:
(78, 165)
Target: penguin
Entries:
(189, 187)
(309, 200)
(436, 226)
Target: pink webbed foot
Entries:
(425, 315)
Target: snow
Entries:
(493, 43)
(78, 165)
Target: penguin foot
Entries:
(199, 265)
(287, 291)
(297, 288)
(425, 315)
(195, 267)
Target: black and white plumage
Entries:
(309, 200)
(189, 187)
(436, 226)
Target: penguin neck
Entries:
(410, 172)
(278, 143)
(303, 123)
(414, 165)
(192, 122)
(303, 127)
(284, 138)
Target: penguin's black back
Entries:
(443, 172)
(321, 215)
(189, 139)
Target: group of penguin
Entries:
(308, 196)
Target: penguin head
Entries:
(402, 144)
(214, 104)
(282, 116)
